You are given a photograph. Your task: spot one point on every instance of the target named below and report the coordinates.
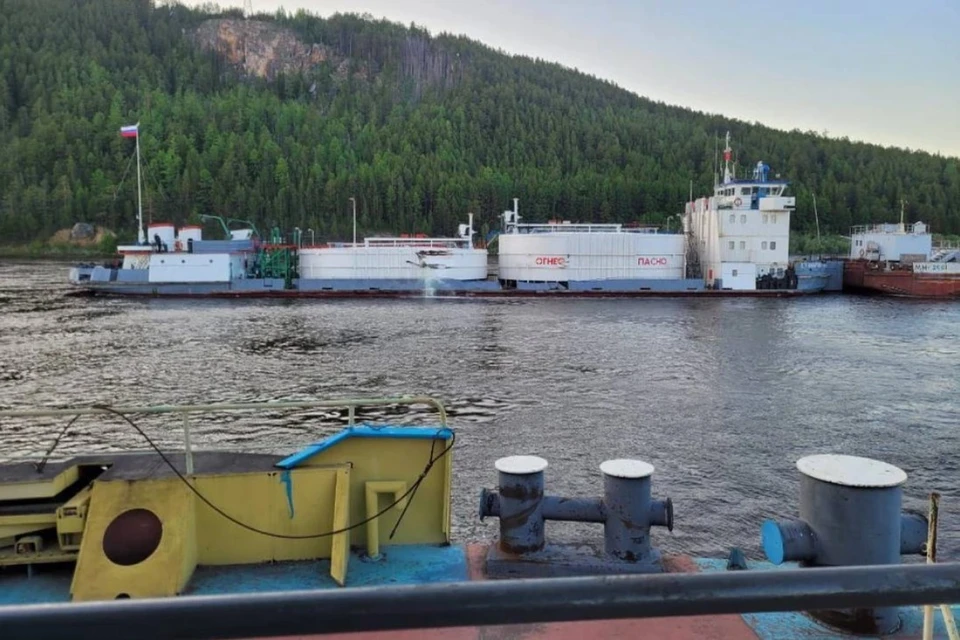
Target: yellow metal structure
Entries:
(317, 509)
(262, 501)
(340, 551)
(72, 518)
(373, 491)
(39, 489)
(166, 570)
(397, 461)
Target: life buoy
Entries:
(737, 202)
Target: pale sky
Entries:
(881, 71)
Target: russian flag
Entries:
(129, 131)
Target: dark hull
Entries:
(871, 277)
(464, 294)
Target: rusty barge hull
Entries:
(870, 277)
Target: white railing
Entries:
(184, 411)
(890, 228)
(565, 227)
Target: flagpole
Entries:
(141, 237)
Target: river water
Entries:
(722, 396)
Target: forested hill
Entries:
(282, 119)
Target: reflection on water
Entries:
(722, 396)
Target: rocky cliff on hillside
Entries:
(262, 49)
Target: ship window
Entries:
(743, 244)
(735, 273)
(744, 191)
(743, 219)
(763, 245)
(733, 218)
(766, 218)
(773, 218)
(773, 245)
(731, 245)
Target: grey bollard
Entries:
(627, 512)
(519, 503)
(630, 511)
(850, 514)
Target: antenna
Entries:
(816, 217)
(727, 153)
(141, 237)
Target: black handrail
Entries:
(486, 603)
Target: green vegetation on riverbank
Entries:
(420, 129)
(57, 248)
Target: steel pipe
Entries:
(486, 603)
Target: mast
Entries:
(728, 173)
(816, 217)
(141, 236)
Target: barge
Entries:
(734, 243)
(901, 260)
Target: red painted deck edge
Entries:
(723, 627)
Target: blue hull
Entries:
(101, 280)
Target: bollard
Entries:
(850, 514)
(626, 511)
(520, 503)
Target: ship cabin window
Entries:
(730, 245)
(763, 245)
(743, 244)
(766, 218)
(735, 273)
(733, 218)
(773, 218)
(773, 245)
(743, 219)
(744, 191)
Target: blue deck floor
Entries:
(414, 564)
(406, 565)
(786, 626)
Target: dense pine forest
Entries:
(419, 128)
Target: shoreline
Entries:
(51, 253)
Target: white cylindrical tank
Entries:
(393, 262)
(572, 256)
(187, 233)
(165, 231)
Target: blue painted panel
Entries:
(365, 431)
(772, 541)
(49, 583)
(406, 564)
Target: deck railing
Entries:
(295, 613)
(184, 411)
